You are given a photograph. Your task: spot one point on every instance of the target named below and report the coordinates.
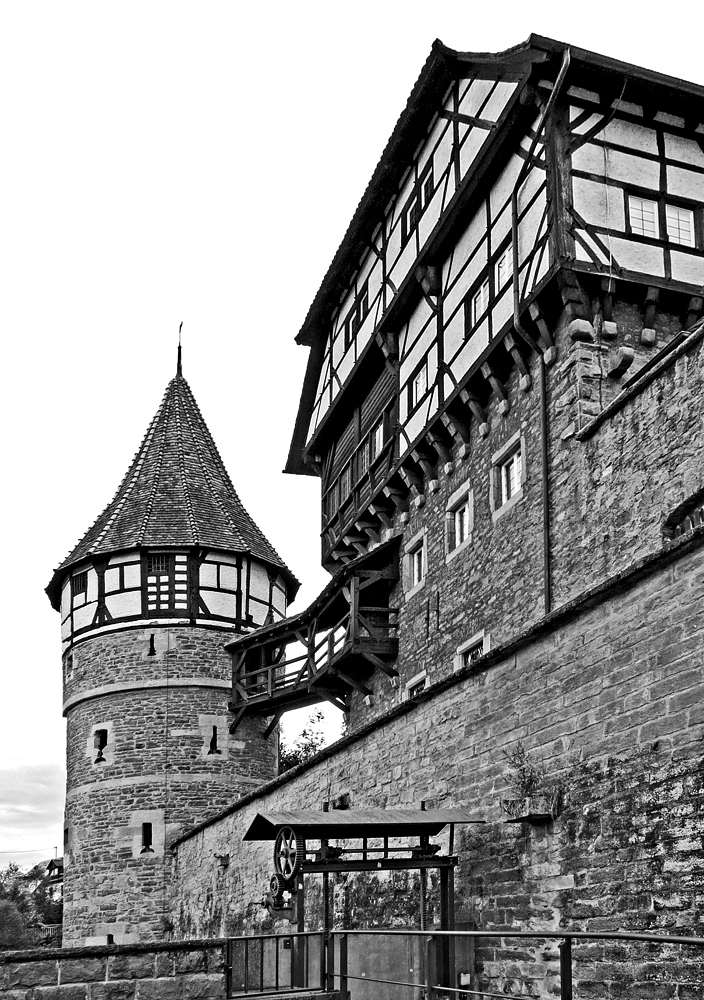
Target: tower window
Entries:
(508, 476)
(100, 741)
(509, 473)
(643, 216)
(167, 582)
(79, 584)
(213, 749)
(147, 839)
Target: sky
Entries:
(168, 162)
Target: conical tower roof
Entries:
(176, 493)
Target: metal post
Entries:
(229, 947)
(343, 967)
(431, 978)
(298, 943)
(566, 969)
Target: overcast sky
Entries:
(168, 161)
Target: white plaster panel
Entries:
(65, 598)
(443, 153)
(365, 268)
(685, 183)
(125, 557)
(92, 592)
(415, 351)
(472, 349)
(638, 256)
(259, 582)
(374, 280)
(625, 167)
(219, 603)
(529, 226)
(686, 150)
(475, 96)
(452, 303)
(503, 310)
(599, 204)
(453, 334)
(132, 576)
(503, 187)
(624, 133)
(365, 332)
(470, 148)
(279, 601)
(687, 267)
(404, 263)
(415, 424)
(223, 557)
(123, 605)
(498, 100)
(501, 228)
(471, 237)
(434, 141)
(529, 186)
(66, 628)
(430, 216)
(228, 577)
(344, 369)
(393, 245)
(83, 616)
(667, 119)
(112, 580)
(208, 575)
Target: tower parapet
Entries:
(170, 571)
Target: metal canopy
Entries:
(348, 824)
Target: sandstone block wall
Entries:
(165, 758)
(607, 695)
(171, 972)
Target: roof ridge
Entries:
(182, 465)
(166, 404)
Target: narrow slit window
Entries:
(418, 386)
(376, 440)
(417, 565)
(147, 839)
(504, 268)
(100, 741)
(459, 528)
(79, 584)
(213, 749)
(480, 302)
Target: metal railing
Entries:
(444, 965)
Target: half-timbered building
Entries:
(531, 240)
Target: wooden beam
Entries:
(512, 348)
(272, 725)
(456, 427)
(477, 411)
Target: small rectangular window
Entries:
(416, 685)
(147, 839)
(680, 225)
(643, 216)
(509, 472)
(504, 268)
(480, 302)
(418, 386)
(363, 459)
(376, 439)
(345, 482)
(357, 314)
(158, 563)
(460, 524)
(79, 584)
(417, 202)
(417, 564)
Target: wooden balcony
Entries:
(329, 650)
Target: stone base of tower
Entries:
(149, 756)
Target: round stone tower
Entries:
(148, 598)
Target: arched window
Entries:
(686, 516)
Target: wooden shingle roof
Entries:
(176, 493)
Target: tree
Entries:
(307, 745)
(13, 932)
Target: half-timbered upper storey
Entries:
(515, 186)
(175, 545)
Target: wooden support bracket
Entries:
(456, 427)
(477, 411)
(429, 278)
(694, 311)
(411, 478)
(652, 297)
(383, 513)
(498, 387)
(396, 496)
(424, 462)
(272, 725)
(547, 344)
(388, 342)
(436, 442)
(512, 348)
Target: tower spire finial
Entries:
(178, 360)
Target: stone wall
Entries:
(159, 697)
(194, 971)
(607, 693)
